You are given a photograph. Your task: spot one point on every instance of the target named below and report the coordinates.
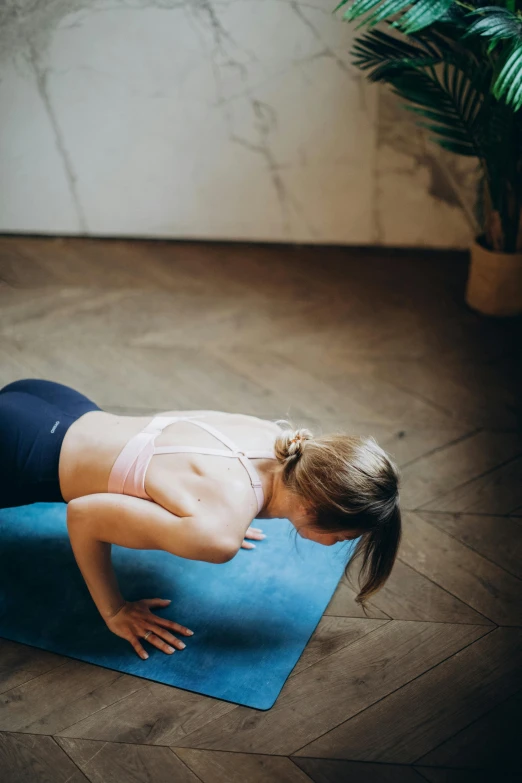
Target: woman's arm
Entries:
(95, 522)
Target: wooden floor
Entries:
(428, 687)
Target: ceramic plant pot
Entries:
(494, 284)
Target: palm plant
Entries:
(459, 66)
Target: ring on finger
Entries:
(146, 636)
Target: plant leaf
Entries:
(496, 23)
(388, 53)
(455, 104)
(453, 146)
(422, 14)
(452, 133)
(388, 8)
(362, 7)
(508, 84)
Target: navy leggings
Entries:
(34, 417)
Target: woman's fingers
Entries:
(167, 637)
(172, 625)
(252, 532)
(138, 648)
(256, 533)
(155, 602)
(160, 644)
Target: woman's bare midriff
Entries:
(94, 441)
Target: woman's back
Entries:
(177, 481)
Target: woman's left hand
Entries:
(255, 533)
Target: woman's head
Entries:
(344, 487)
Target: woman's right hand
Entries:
(135, 619)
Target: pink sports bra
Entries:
(127, 476)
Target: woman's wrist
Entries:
(113, 612)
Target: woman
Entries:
(178, 482)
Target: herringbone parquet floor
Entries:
(428, 687)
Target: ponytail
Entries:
(377, 551)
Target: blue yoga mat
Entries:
(251, 617)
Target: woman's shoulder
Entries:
(235, 417)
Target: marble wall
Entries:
(212, 119)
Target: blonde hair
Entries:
(349, 483)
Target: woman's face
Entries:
(303, 522)
(327, 539)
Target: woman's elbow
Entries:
(74, 510)
(203, 544)
(75, 520)
(223, 553)
(79, 518)
(217, 551)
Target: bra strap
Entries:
(194, 450)
(139, 445)
(217, 434)
(243, 458)
(255, 480)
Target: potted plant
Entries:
(459, 67)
